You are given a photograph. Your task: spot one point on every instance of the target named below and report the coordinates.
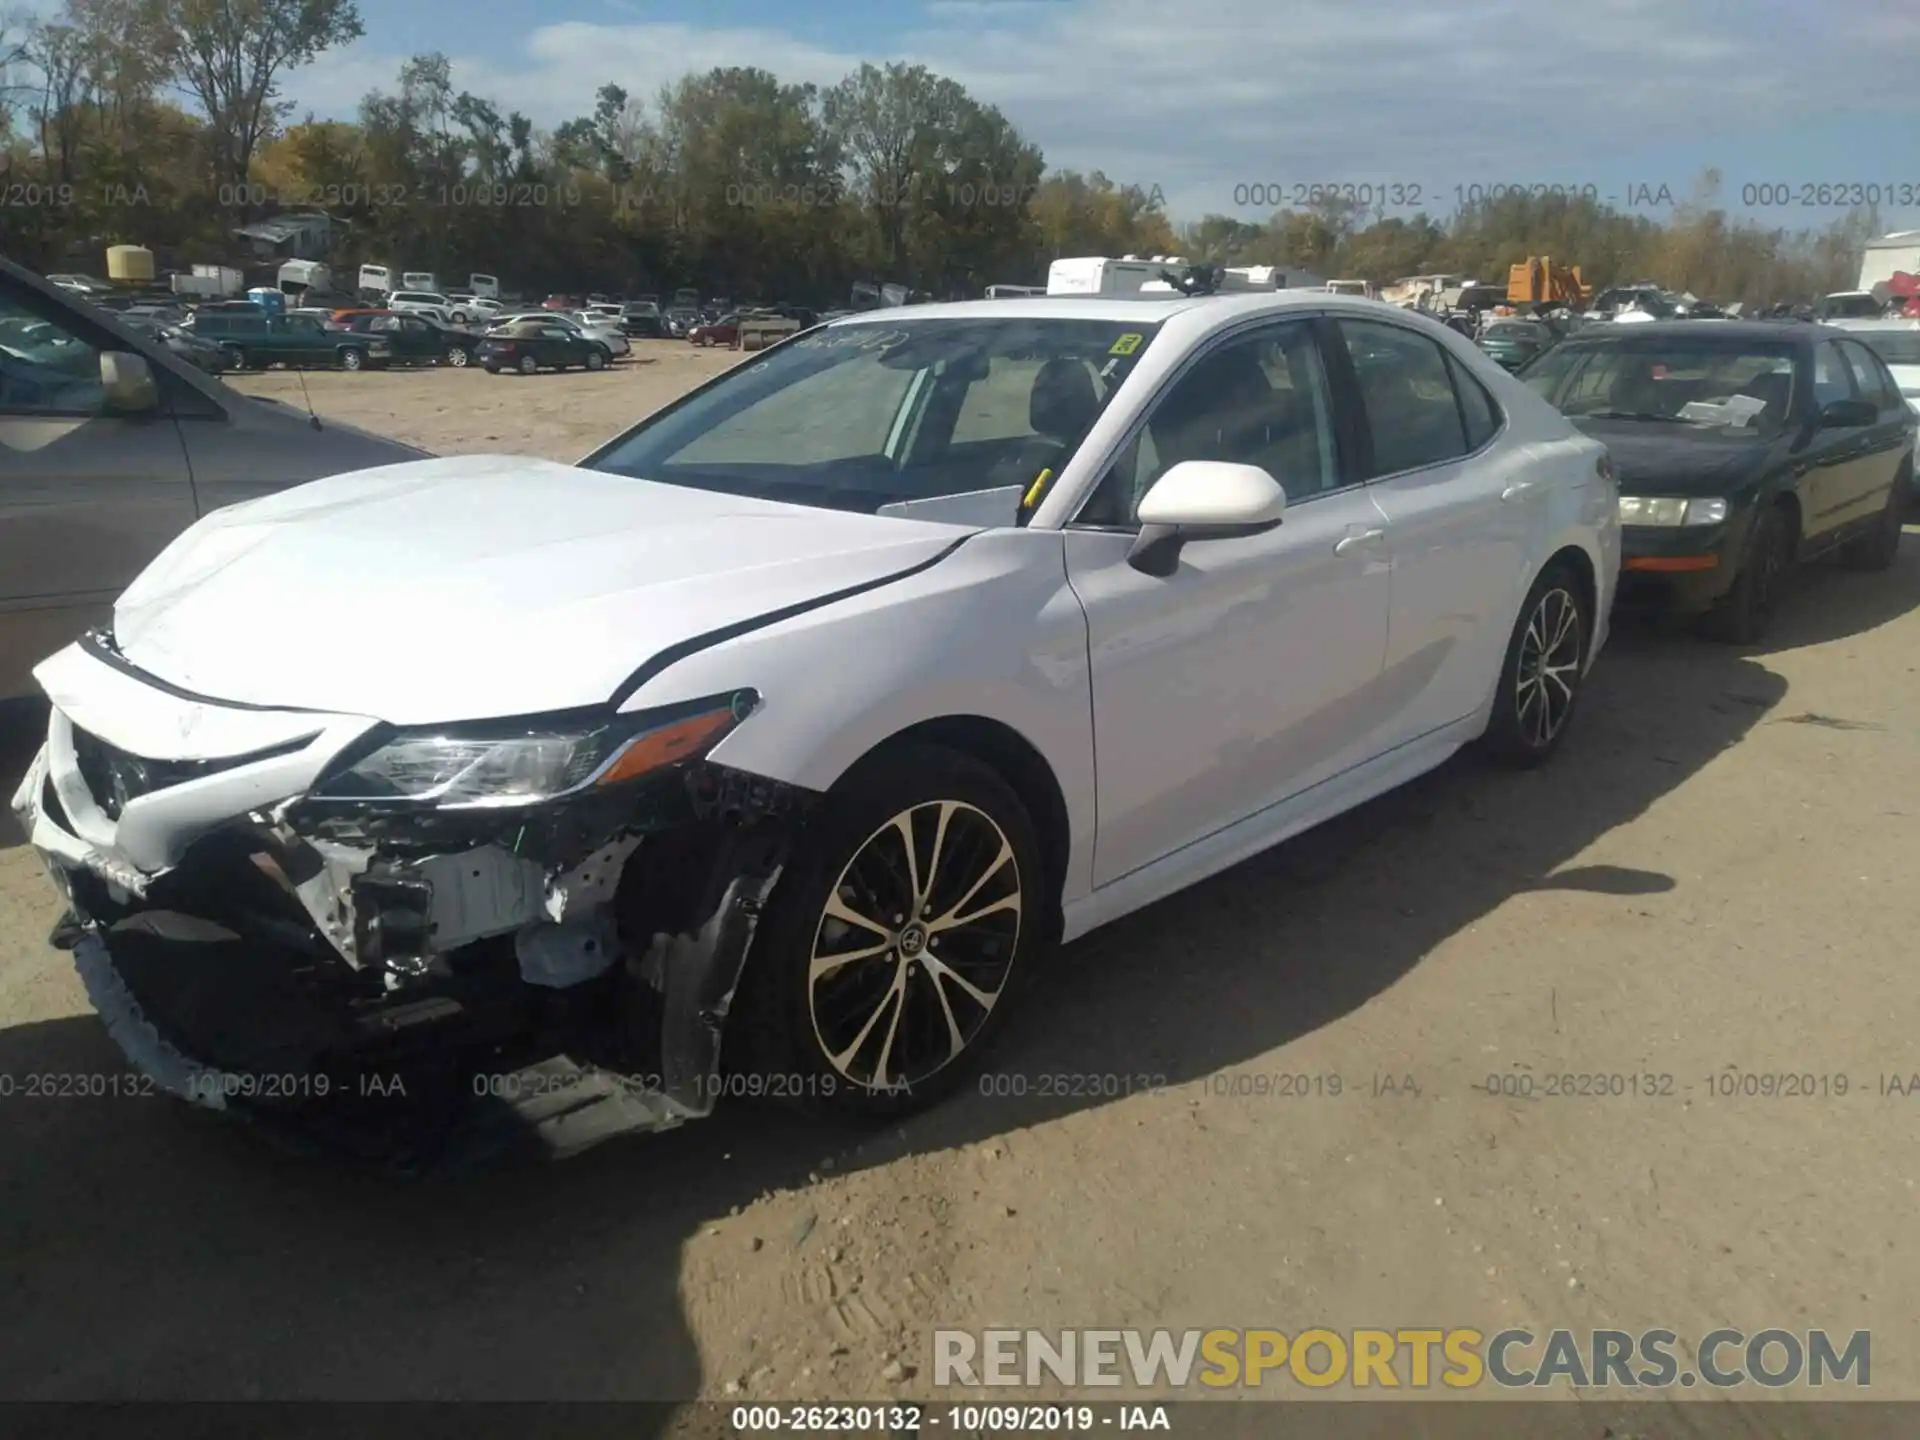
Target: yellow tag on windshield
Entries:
(1126, 344)
(1035, 490)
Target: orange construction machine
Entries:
(1538, 281)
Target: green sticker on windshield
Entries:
(1125, 345)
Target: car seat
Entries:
(1061, 408)
(1775, 388)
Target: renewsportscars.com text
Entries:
(1412, 1359)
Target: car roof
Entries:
(1182, 320)
(1888, 324)
(1151, 308)
(1715, 331)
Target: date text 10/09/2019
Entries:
(1040, 1419)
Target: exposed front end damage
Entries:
(421, 986)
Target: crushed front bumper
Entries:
(420, 991)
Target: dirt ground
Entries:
(1707, 882)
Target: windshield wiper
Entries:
(1631, 415)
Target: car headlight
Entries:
(1643, 510)
(527, 762)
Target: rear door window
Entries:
(1407, 393)
(1832, 377)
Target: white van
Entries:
(419, 280)
(375, 280)
(487, 287)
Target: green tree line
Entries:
(163, 123)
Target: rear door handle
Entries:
(1519, 491)
(1365, 539)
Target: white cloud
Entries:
(1202, 98)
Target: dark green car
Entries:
(528, 346)
(416, 339)
(1512, 343)
(1741, 449)
(254, 340)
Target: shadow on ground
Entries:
(153, 1254)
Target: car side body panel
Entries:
(992, 631)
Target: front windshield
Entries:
(1516, 330)
(863, 415)
(1669, 380)
(1896, 347)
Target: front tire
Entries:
(1541, 675)
(351, 360)
(1746, 612)
(1880, 547)
(596, 360)
(898, 938)
(458, 358)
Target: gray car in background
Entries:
(110, 445)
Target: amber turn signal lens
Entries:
(668, 744)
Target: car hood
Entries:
(481, 586)
(1651, 458)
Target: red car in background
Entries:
(563, 302)
(723, 331)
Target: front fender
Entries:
(992, 631)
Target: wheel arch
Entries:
(1576, 559)
(1018, 762)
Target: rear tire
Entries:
(1541, 673)
(528, 365)
(1746, 612)
(1880, 547)
(875, 1035)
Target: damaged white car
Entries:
(802, 715)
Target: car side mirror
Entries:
(128, 383)
(1849, 415)
(1202, 500)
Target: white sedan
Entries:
(805, 714)
(609, 336)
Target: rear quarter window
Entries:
(1478, 408)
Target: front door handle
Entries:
(1362, 541)
(1519, 491)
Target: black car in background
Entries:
(528, 346)
(416, 339)
(1741, 449)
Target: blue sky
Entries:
(1210, 101)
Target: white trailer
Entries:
(209, 281)
(299, 276)
(376, 280)
(1105, 275)
(1145, 275)
(1884, 257)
